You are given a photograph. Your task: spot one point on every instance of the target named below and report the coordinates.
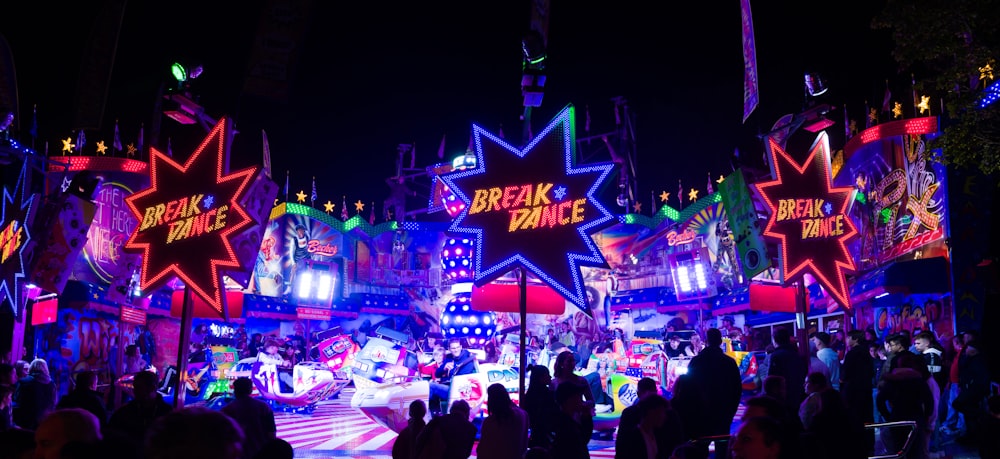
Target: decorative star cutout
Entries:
(637, 207)
(328, 207)
(925, 104)
(560, 193)
(300, 196)
(872, 116)
(130, 149)
(101, 148)
(178, 235)
(15, 219)
(897, 110)
(721, 179)
(986, 72)
(790, 196)
(664, 196)
(693, 195)
(208, 201)
(553, 246)
(68, 145)
(359, 206)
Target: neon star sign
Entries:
(14, 237)
(532, 208)
(189, 216)
(809, 218)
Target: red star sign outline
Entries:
(197, 263)
(825, 258)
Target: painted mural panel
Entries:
(900, 209)
(914, 313)
(286, 243)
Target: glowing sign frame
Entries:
(169, 181)
(494, 260)
(828, 257)
(15, 208)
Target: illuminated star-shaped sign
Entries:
(300, 196)
(359, 206)
(637, 207)
(328, 207)
(925, 104)
(809, 218)
(68, 145)
(14, 237)
(664, 196)
(897, 110)
(189, 216)
(986, 72)
(101, 148)
(560, 193)
(693, 195)
(130, 149)
(722, 178)
(512, 212)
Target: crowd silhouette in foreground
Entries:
(801, 412)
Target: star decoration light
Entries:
(925, 104)
(68, 145)
(300, 196)
(130, 149)
(897, 110)
(872, 116)
(637, 207)
(722, 178)
(986, 72)
(513, 216)
(101, 148)
(664, 196)
(328, 207)
(359, 206)
(15, 217)
(693, 195)
(189, 216)
(809, 219)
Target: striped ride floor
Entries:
(334, 429)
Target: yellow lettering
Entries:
(562, 209)
(531, 221)
(578, 210)
(495, 194)
(523, 196)
(517, 217)
(148, 218)
(220, 217)
(541, 194)
(508, 196)
(478, 202)
(550, 216)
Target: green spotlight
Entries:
(180, 73)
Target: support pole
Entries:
(523, 284)
(801, 306)
(187, 311)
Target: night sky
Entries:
(368, 76)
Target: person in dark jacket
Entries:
(85, 395)
(458, 361)
(134, 418)
(856, 376)
(785, 361)
(540, 403)
(974, 387)
(571, 433)
(643, 441)
(718, 377)
(35, 396)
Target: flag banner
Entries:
(371, 216)
(343, 209)
(441, 148)
(314, 195)
(34, 123)
(680, 194)
(750, 95)
(286, 186)
(81, 141)
(887, 99)
(117, 142)
(709, 187)
(267, 155)
(744, 225)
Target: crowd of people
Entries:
(37, 422)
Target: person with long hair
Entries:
(35, 396)
(505, 431)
